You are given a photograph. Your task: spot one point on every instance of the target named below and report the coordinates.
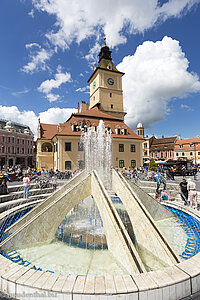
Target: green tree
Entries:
(152, 165)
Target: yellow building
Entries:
(58, 146)
(188, 149)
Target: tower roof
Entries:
(105, 52)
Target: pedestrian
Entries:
(194, 172)
(54, 181)
(158, 181)
(163, 181)
(26, 183)
(183, 171)
(192, 193)
(183, 191)
(3, 187)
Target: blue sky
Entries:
(49, 49)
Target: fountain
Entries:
(100, 234)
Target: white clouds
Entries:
(17, 94)
(84, 89)
(77, 22)
(186, 107)
(154, 75)
(38, 58)
(53, 116)
(47, 85)
(56, 115)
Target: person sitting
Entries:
(157, 195)
(163, 196)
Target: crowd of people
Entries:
(43, 178)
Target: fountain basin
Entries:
(176, 282)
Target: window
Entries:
(31, 151)
(181, 146)
(80, 147)
(191, 153)
(133, 163)
(17, 141)
(13, 139)
(121, 147)
(121, 163)
(198, 153)
(67, 147)
(145, 145)
(110, 95)
(13, 149)
(191, 145)
(3, 139)
(28, 150)
(8, 149)
(125, 131)
(176, 154)
(22, 150)
(2, 149)
(28, 142)
(17, 150)
(111, 105)
(132, 148)
(183, 153)
(118, 131)
(68, 164)
(31, 143)
(22, 142)
(9, 139)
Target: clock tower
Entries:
(106, 85)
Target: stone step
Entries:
(152, 190)
(19, 194)
(20, 187)
(171, 186)
(13, 203)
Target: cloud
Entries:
(117, 19)
(186, 107)
(47, 85)
(84, 89)
(53, 116)
(154, 75)
(38, 59)
(17, 94)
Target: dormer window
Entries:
(118, 131)
(125, 131)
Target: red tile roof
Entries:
(92, 116)
(48, 131)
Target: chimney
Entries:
(78, 108)
(179, 137)
(84, 106)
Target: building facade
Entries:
(162, 148)
(16, 142)
(59, 147)
(188, 149)
(146, 142)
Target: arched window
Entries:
(46, 147)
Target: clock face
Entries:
(110, 81)
(94, 85)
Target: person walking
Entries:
(54, 181)
(183, 191)
(158, 181)
(26, 183)
(192, 193)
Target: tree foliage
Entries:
(152, 165)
